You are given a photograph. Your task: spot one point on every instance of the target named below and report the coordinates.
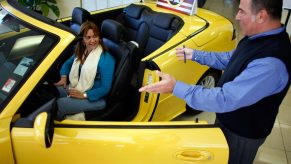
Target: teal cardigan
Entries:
(103, 79)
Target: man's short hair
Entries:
(273, 7)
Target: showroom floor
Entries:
(277, 148)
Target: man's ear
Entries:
(261, 16)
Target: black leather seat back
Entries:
(113, 33)
(79, 16)
(132, 20)
(150, 29)
(137, 28)
(164, 26)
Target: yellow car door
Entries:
(209, 34)
(46, 141)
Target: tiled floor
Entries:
(277, 147)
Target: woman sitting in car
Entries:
(90, 73)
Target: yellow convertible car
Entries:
(134, 127)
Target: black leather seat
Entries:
(148, 28)
(164, 26)
(113, 33)
(137, 29)
(79, 16)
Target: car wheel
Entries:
(208, 80)
(201, 3)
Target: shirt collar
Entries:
(271, 32)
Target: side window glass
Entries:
(22, 48)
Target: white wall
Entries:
(66, 6)
(284, 16)
(92, 5)
(289, 27)
(286, 5)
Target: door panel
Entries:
(179, 142)
(148, 100)
(169, 106)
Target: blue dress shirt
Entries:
(262, 77)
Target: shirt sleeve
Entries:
(217, 60)
(102, 86)
(66, 67)
(262, 78)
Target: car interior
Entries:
(129, 34)
(144, 27)
(113, 33)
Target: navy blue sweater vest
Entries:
(256, 121)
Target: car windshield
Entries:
(22, 47)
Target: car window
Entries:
(22, 47)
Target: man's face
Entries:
(246, 18)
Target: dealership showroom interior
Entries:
(149, 74)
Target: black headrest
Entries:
(163, 20)
(112, 30)
(134, 10)
(80, 15)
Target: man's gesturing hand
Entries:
(166, 85)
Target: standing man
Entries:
(255, 80)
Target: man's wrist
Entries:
(194, 56)
(180, 89)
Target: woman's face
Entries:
(91, 40)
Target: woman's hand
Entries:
(180, 53)
(76, 94)
(62, 82)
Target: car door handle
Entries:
(194, 155)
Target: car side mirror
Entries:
(42, 122)
(43, 129)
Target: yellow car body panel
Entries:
(147, 106)
(129, 143)
(134, 141)
(6, 151)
